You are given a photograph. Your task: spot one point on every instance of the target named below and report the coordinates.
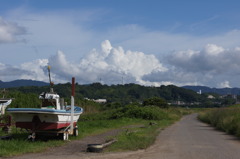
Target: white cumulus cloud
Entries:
(213, 66)
(212, 58)
(209, 66)
(109, 64)
(35, 70)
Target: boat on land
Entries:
(54, 117)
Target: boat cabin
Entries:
(50, 100)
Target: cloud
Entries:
(35, 70)
(110, 64)
(9, 72)
(212, 59)
(75, 33)
(9, 31)
(213, 66)
(225, 84)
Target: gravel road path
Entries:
(186, 139)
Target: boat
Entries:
(53, 117)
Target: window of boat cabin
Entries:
(48, 102)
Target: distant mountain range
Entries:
(19, 83)
(220, 91)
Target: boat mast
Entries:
(50, 81)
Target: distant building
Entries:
(211, 97)
(200, 92)
(178, 102)
(97, 100)
(100, 100)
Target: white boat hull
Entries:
(43, 119)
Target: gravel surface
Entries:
(186, 139)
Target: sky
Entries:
(147, 42)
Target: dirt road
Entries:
(186, 139)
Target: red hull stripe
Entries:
(42, 126)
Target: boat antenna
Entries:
(49, 74)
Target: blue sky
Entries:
(149, 42)
(153, 14)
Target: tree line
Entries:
(116, 95)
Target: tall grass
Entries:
(226, 119)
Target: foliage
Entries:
(147, 113)
(121, 94)
(156, 101)
(130, 111)
(24, 100)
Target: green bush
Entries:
(156, 101)
(130, 111)
(147, 113)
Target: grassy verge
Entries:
(136, 138)
(141, 138)
(226, 119)
(19, 146)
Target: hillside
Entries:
(204, 89)
(220, 91)
(19, 83)
(118, 95)
(122, 94)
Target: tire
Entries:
(95, 148)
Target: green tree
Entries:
(156, 101)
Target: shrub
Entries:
(156, 101)
(129, 111)
(148, 112)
